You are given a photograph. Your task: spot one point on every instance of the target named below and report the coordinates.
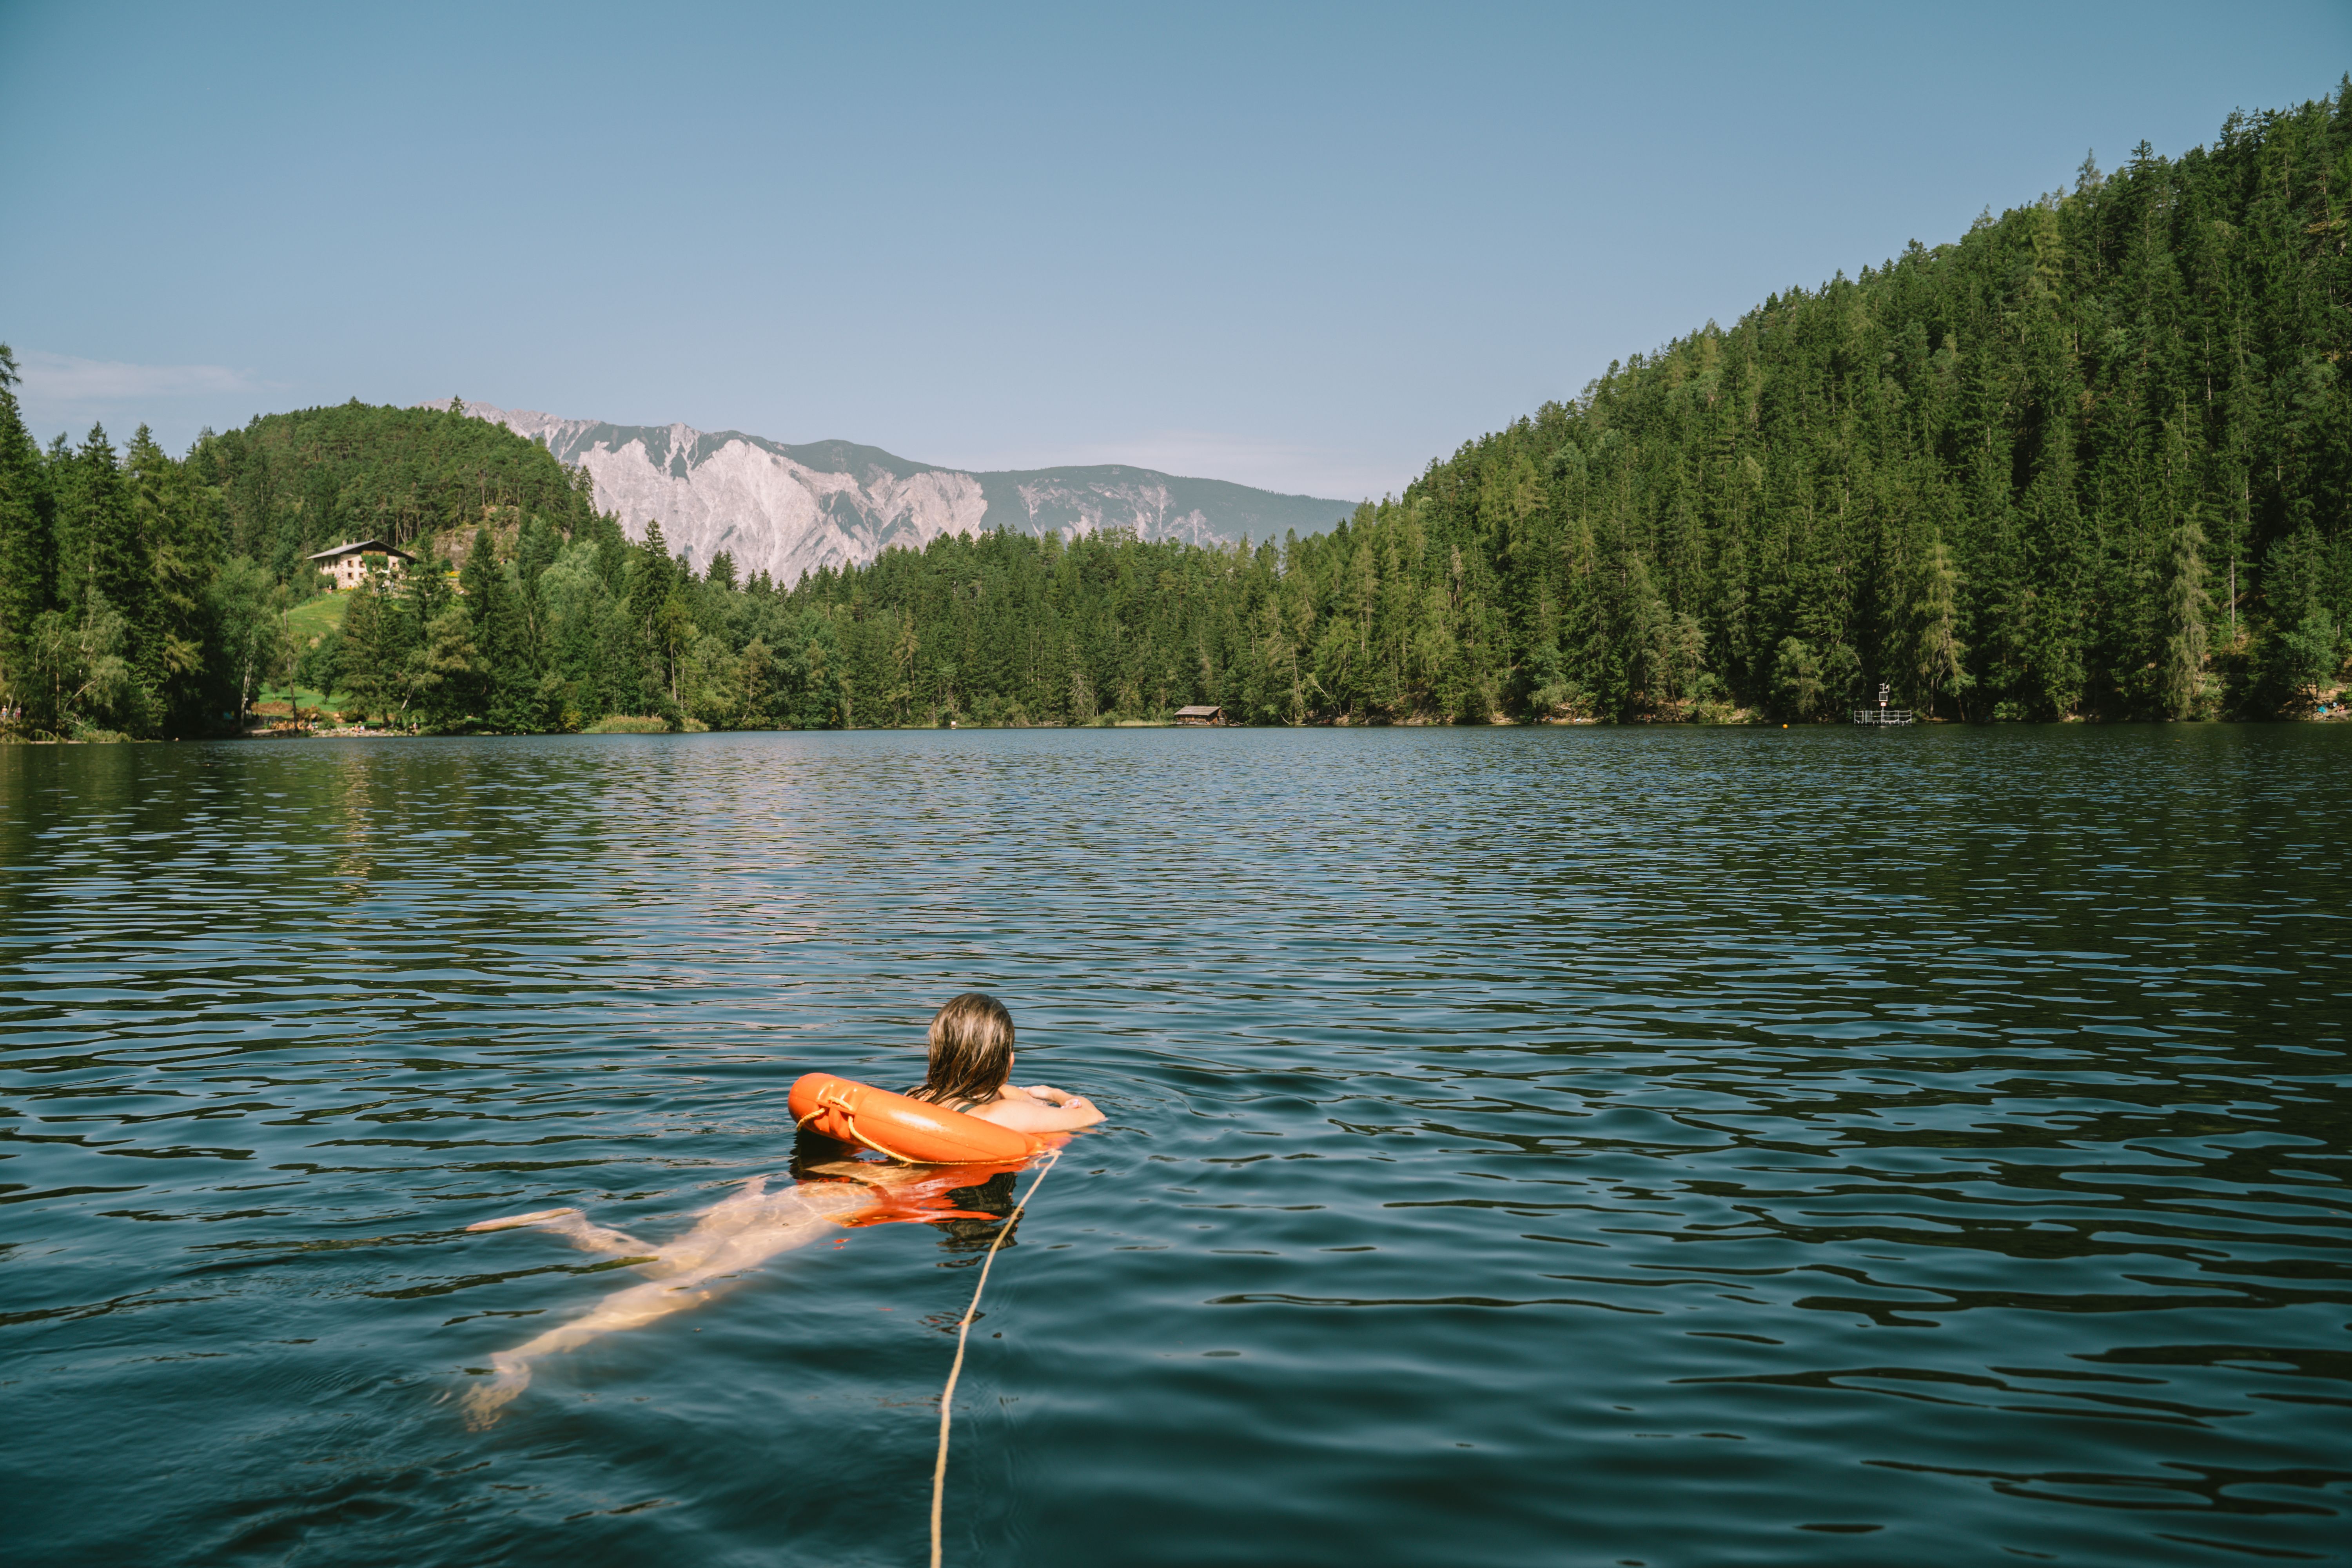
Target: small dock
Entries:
(1882, 715)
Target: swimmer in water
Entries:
(972, 1068)
(970, 1064)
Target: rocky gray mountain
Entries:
(786, 509)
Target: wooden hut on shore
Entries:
(1198, 714)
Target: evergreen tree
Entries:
(369, 669)
(1939, 660)
(28, 555)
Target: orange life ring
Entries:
(910, 1130)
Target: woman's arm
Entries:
(1040, 1108)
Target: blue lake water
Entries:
(1526, 1147)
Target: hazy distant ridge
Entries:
(785, 510)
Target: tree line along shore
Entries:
(2092, 460)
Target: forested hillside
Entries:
(293, 483)
(2092, 460)
(2095, 457)
(145, 595)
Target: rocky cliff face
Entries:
(786, 509)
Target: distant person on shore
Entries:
(971, 1062)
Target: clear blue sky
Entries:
(1303, 246)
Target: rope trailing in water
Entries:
(963, 1333)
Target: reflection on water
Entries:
(1525, 1147)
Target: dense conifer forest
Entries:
(2093, 459)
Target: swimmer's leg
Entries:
(573, 1227)
(739, 1234)
(628, 1309)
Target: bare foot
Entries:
(485, 1403)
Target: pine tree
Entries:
(1938, 659)
(27, 556)
(104, 586)
(495, 617)
(2186, 608)
(370, 681)
(97, 551)
(176, 527)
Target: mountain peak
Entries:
(787, 509)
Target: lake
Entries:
(1611, 1146)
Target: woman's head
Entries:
(971, 1050)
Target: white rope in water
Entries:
(963, 1333)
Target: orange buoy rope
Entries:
(963, 1333)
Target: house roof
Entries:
(1197, 713)
(371, 546)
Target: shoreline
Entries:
(364, 732)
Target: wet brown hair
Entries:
(972, 1052)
